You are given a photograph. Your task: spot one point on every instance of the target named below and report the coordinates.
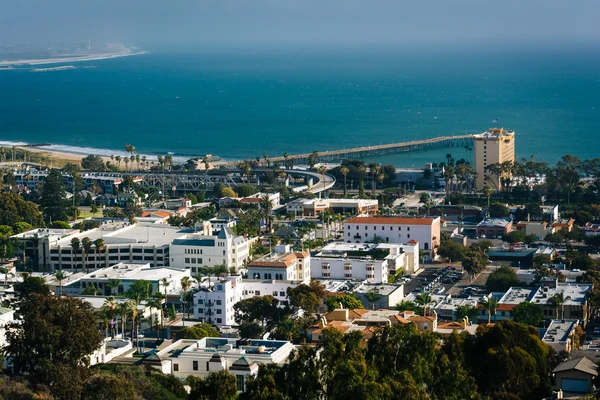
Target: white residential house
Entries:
(194, 251)
(199, 358)
(426, 231)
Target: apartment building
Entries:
(495, 146)
(196, 250)
(215, 304)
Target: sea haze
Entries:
(239, 105)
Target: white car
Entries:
(576, 270)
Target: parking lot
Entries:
(436, 279)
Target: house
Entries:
(199, 358)
(426, 231)
(566, 224)
(576, 375)
(7, 315)
(123, 199)
(494, 227)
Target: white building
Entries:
(201, 357)
(6, 315)
(314, 207)
(127, 274)
(194, 251)
(282, 264)
(138, 243)
(426, 231)
(215, 305)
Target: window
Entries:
(195, 365)
(408, 228)
(275, 294)
(219, 311)
(175, 367)
(218, 302)
(326, 274)
(366, 227)
(187, 260)
(374, 228)
(201, 311)
(282, 294)
(257, 293)
(201, 301)
(240, 383)
(348, 275)
(348, 233)
(408, 235)
(219, 321)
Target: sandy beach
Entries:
(61, 60)
(60, 156)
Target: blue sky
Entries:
(301, 22)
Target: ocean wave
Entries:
(84, 151)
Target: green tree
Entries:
(347, 301)
(50, 336)
(93, 163)
(558, 302)
(60, 277)
(217, 386)
(514, 237)
(451, 250)
(104, 386)
(53, 199)
(14, 209)
(186, 283)
(528, 313)
(140, 290)
(498, 210)
(198, 331)
(424, 300)
(307, 297)
(59, 225)
(468, 311)
(489, 305)
(75, 245)
(474, 261)
(502, 279)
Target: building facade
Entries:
(495, 146)
(194, 251)
(426, 231)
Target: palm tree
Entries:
(322, 170)
(118, 160)
(75, 245)
(558, 301)
(424, 299)
(91, 290)
(137, 160)
(132, 310)
(86, 243)
(60, 277)
(165, 284)
(143, 161)
(122, 309)
(344, 171)
(373, 297)
(114, 284)
(100, 248)
(487, 191)
(186, 283)
(156, 303)
(110, 308)
(490, 306)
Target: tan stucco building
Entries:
(495, 146)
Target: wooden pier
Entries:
(383, 149)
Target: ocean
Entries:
(241, 105)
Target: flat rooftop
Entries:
(494, 133)
(517, 295)
(493, 223)
(384, 289)
(45, 233)
(225, 346)
(133, 272)
(559, 330)
(122, 233)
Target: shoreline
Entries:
(59, 60)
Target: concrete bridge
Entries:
(383, 149)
